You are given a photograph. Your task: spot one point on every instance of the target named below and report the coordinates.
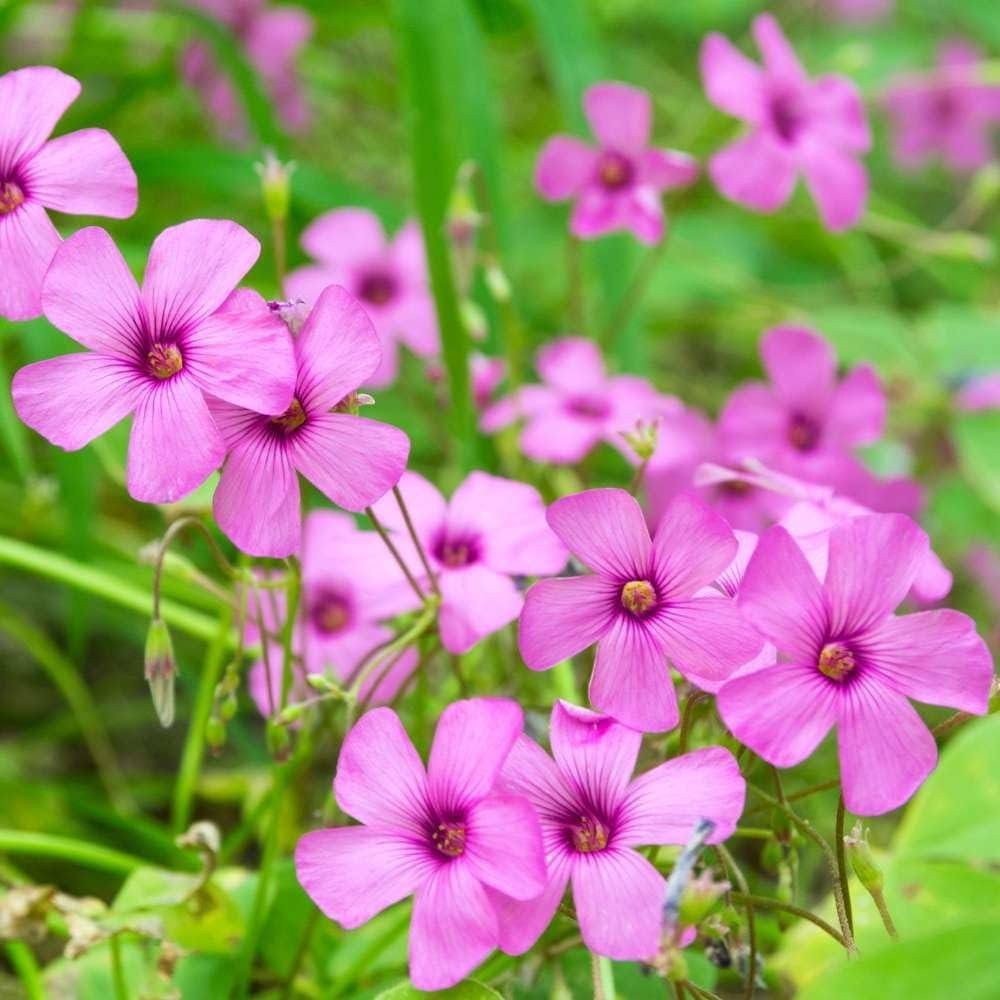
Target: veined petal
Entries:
(691, 547)
(475, 602)
(565, 165)
(28, 241)
(426, 505)
(667, 168)
(531, 772)
(755, 172)
(620, 116)
(504, 846)
(523, 923)
(33, 100)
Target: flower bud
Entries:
(862, 861)
(275, 185)
(161, 670)
(228, 707)
(473, 319)
(497, 282)
(643, 439)
(278, 739)
(215, 733)
(698, 898)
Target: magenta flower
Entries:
(157, 353)
(850, 662)
(619, 184)
(445, 836)
(948, 112)
(578, 404)
(491, 530)
(816, 128)
(980, 393)
(350, 459)
(82, 173)
(641, 605)
(594, 815)
(389, 279)
(858, 11)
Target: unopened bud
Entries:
(643, 439)
(215, 733)
(862, 860)
(699, 897)
(473, 319)
(275, 185)
(161, 670)
(496, 282)
(291, 713)
(228, 708)
(278, 739)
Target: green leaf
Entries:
(468, 990)
(962, 338)
(866, 334)
(977, 439)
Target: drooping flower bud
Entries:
(862, 860)
(698, 898)
(161, 670)
(275, 185)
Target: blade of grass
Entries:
(12, 431)
(79, 852)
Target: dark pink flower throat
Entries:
(291, 420)
(377, 287)
(449, 838)
(589, 835)
(614, 171)
(836, 661)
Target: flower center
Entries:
(638, 597)
(944, 106)
(377, 288)
(786, 116)
(836, 661)
(803, 432)
(292, 419)
(449, 838)
(164, 360)
(589, 835)
(460, 550)
(614, 171)
(11, 196)
(592, 407)
(329, 612)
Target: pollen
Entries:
(11, 196)
(614, 171)
(589, 835)
(836, 661)
(292, 419)
(803, 433)
(165, 360)
(638, 597)
(330, 613)
(449, 839)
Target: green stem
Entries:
(400, 561)
(300, 953)
(730, 862)
(22, 959)
(689, 706)
(431, 575)
(288, 633)
(842, 862)
(766, 903)
(603, 977)
(803, 793)
(883, 911)
(634, 293)
(280, 253)
(117, 969)
(46, 845)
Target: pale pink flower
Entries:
(849, 662)
(642, 604)
(491, 530)
(160, 353)
(351, 460)
(816, 128)
(82, 173)
(981, 392)
(618, 184)
(594, 816)
(388, 278)
(858, 11)
(486, 374)
(446, 836)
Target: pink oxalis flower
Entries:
(816, 128)
(388, 278)
(446, 836)
(491, 530)
(641, 605)
(350, 459)
(949, 112)
(619, 184)
(159, 353)
(848, 661)
(593, 818)
(578, 404)
(82, 173)
(982, 392)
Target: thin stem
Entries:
(778, 789)
(699, 991)
(280, 253)
(431, 575)
(803, 793)
(753, 833)
(187, 521)
(766, 903)
(730, 863)
(951, 723)
(603, 977)
(636, 484)
(883, 911)
(288, 634)
(117, 969)
(842, 862)
(384, 535)
(689, 706)
(634, 293)
(300, 953)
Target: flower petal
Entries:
(667, 168)
(531, 772)
(837, 111)
(523, 923)
(753, 423)
(504, 846)
(838, 183)
(28, 241)
(732, 82)
(33, 100)
(780, 61)
(426, 506)
(801, 365)
(475, 603)
(857, 410)
(620, 116)
(691, 547)
(565, 165)
(572, 365)
(755, 172)
(345, 234)
(559, 438)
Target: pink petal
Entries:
(559, 438)
(192, 268)
(416, 320)
(691, 547)
(424, 502)
(472, 740)
(380, 778)
(27, 242)
(782, 597)
(565, 165)
(309, 282)
(562, 617)
(620, 116)
(476, 602)
(454, 928)
(780, 60)
(933, 580)
(619, 900)
(605, 529)
(664, 805)
(504, 846)
(352, 873)
(631, 680)
(781, 712)
(755, 172)
(837, 111)
(642, 213)
(968, 146)
(858, 409)
(386, 683)
(872, 563)
(527, 401)
(531, 772)
(84, 173)
(174, 445)
(838, 184)
(33, 100)
(572, 365)
(75, 398)
(667, 168)
(934, 656)
(597, 212)
(801, 365)
(351, 234)
(732, 82)
(523, 923)
(753, 423)
(408, 255)
(885, 749)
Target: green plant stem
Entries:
(390, 545)
(634, 293)
(603, 977)
(689, 706)
(280, 253)
(803, 793)
(300, 953)
(883, 911)
(766, 903)
(288, 633)
(753, 833)
(842, 862)
(22, 960)
(431, 575)
(699, 991)
(117, 969)
(730, 862)
(951, 723)
(79, 852)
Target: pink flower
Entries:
(796, 125)
(445, 836)
(82, 173)
(850, 663)
(578, 404)
(858, 11)
(617, 185)
(389, 279)
(486, 374)
(491, 530)
(157, 353)
(594, 816)
(351, 460)
(641, 605)
(948, 112)
(980, 393)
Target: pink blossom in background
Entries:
(849, 662)
(446, 836)
(858, 11)
(82, 173)
(577, 405)
(485, 375)
(980, 393)
(161, 353)
(351, 460)
(619, 183)
(641, 604)
(271, 37)
(816, 128)
(491, 530)
(594, 816)
(947, 113)
(388, 278)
